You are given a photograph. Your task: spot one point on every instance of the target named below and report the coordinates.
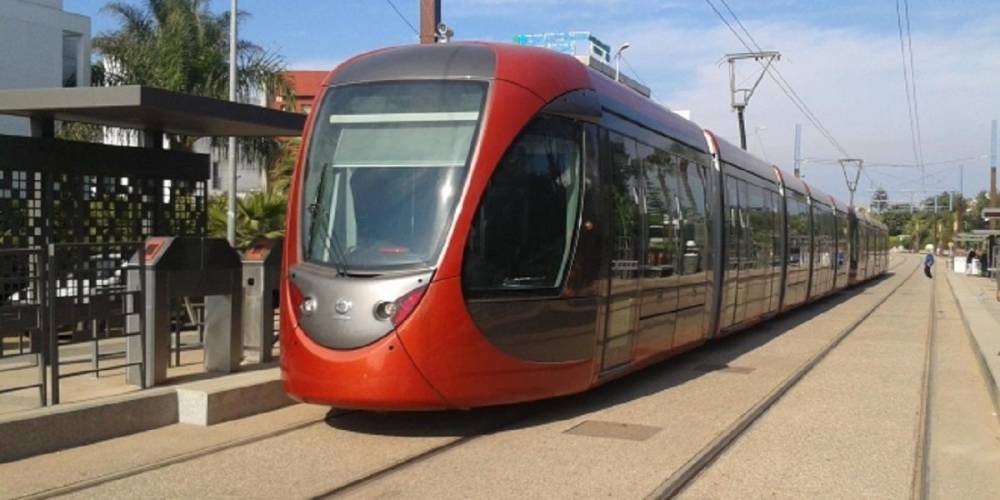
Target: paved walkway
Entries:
(21, 371)
(849, 429)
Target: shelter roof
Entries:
(148, 108)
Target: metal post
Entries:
(430, 18)
(743, 129)
(993, 171)
(53, 333)
(231, 210)
(798, 150)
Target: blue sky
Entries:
(842, 57)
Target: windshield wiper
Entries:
(339, 258)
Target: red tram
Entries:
(474, 224)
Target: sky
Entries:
(842, 57)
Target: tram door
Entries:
(624, 250)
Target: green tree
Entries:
(180, 45)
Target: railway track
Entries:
(700, 462)
(703, 459)
(515, 416)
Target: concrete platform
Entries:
(231, 397)
(205, 402)
(981, 313)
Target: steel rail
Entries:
(180, 458)
(919, 484)
(681, 478)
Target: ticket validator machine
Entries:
(189, 267)
(261, 281)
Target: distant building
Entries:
(43, 46)
(586, 48)
(580, 44)
(306, 87)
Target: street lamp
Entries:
(618, 60)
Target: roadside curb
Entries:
(208, 402)
(984, 332)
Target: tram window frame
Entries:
(495, 288)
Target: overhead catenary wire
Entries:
(402, 17)
(909, 83)
(775, 74)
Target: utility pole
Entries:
(430, 18)
(852, 185)
(798, 150)
(740, 97)
(993, 171)
(231, 209)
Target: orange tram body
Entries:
(476, 224)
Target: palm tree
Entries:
(258, 215)
(180, 45)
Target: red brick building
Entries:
(306, 86)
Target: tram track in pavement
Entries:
(919, 486)
(520, 414)
(180, 458)
(678, 481)
(755, 412)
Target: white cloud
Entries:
(852, 80)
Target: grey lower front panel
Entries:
(539, 330)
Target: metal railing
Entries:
(21, 293)
(88, 291)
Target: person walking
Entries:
(928, 264)
(969, 259)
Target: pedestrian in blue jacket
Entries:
(928, 264)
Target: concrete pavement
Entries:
(848, 429)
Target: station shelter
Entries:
(75, 216)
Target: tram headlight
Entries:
(385, 310)
(309, 306)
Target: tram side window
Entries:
(761, 227)
(625, 220)
(798, 230)
(694, 233)
(522, 236)
(733, 223)
(776, 209)
(662, 224)
(842, 235)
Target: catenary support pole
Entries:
(993, 171)
(231, 209)
(430, 17)
(798, 150)
(743, 128)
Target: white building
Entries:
(41, 46)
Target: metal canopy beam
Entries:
(153, 109)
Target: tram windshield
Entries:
(387, 164)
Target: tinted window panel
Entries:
(522, 235)
(662, 224)
(694, 231)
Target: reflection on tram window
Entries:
(625, 209)
(694, 231)
(662, 214)
(386, 165)
(522, 235)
